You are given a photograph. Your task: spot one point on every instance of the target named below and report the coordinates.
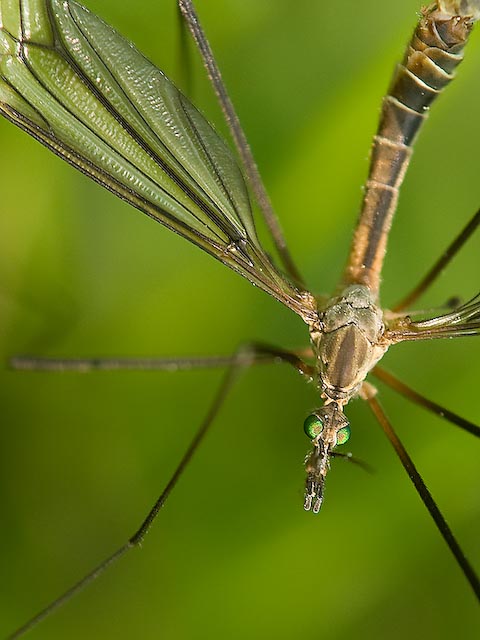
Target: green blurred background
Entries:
(84, 456)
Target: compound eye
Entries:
(312, 426)
(343, 435)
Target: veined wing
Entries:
(464, 321)
(77, 86)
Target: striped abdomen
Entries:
(429, 65)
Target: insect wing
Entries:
(464, 321)
(75, 84)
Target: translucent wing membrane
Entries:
(464, 321)
(75, 84)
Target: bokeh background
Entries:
(84, 456)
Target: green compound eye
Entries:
(312, 426)
(343, 435)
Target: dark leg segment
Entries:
(245, 357)
(440, 265)
(407, 392)
(184, 58)
(255, 353)
(249, 165)
(87, 365)
(368, 394)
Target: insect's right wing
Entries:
(463, 321)
(72, 82)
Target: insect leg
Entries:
(440, 264)
(368, 393)
(241, 144)
(245, 357)
(249, 355)
(86, 365)
(407, 392)
(184, 57)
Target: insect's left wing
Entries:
(77, 86)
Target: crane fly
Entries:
(78, 87)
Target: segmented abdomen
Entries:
(433, 54)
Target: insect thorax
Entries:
(348, 344)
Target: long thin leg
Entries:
(397, 385)
(245, 356)
(249, 165)
(441, 263)
(258, 354)
(368, 394)
(86, 365)
(184, 58)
